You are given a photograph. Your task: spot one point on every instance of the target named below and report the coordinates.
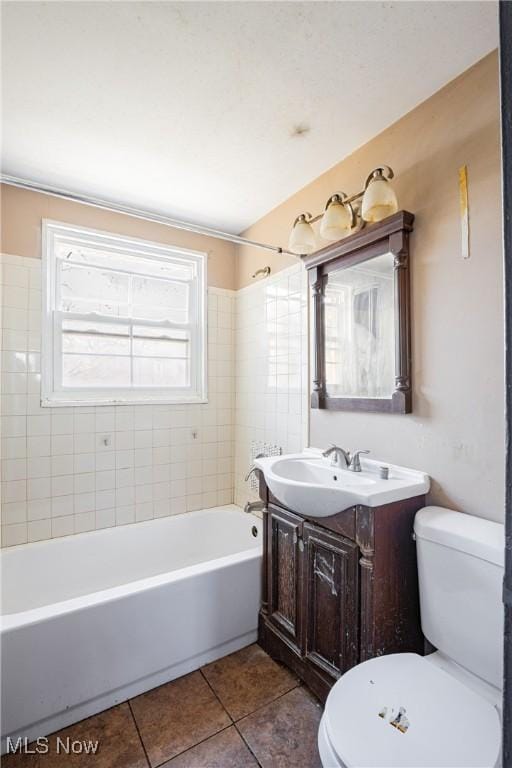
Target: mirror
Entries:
(359, 330)
(360, 319)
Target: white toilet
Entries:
(441, 710)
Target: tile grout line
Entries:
(258, 709)
(233, 722)
(267, 703)
(188, 749)
(215, 694)
(247, 745)
(129, 702)
(298, 684)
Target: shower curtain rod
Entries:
(138, 213)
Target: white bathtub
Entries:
(93, 619)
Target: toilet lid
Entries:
(400, 711)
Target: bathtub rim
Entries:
(14, 620)
(6, 551)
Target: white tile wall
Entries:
(68, 470)
(271, 369)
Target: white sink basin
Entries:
(307, 483)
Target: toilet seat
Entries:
(445, 724)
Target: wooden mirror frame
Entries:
(388, 236)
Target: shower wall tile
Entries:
(68, 470)
(271, 369)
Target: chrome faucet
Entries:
(339, 457)
(343, 459)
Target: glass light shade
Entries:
(379, 200)
(302, 238)
(336, 221)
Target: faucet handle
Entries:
(355, 464)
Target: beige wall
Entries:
(22, 211)
(456, 432)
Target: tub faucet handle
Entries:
(253, 468)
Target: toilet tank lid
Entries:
(481, 538)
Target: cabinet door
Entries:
(285, 574)
(331, 576)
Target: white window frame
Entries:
(52, 393)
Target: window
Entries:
(123, 320)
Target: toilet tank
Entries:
(460, 570)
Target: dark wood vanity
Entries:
(338, 590)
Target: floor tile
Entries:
(284, 733)
(177, 716)
(248, 679)
(119, 744)
(224, 750)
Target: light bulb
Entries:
(336, 221)
(302, 236)
(379, 199)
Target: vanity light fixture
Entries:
(342, 214)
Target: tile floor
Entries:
(242, 711)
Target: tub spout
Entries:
(254, 506)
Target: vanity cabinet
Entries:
(338, 590)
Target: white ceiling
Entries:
(188, 108)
